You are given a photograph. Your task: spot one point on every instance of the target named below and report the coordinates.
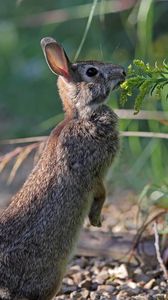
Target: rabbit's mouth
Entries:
(116, 83)
(117, 76)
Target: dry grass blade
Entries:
(141, 231)
(20, 159)
(23, 140)
(5, 159)
(23, 152)
(145, 134)
(142, 115)
(157, 248)
(74, 12)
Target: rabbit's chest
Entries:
(104, 145)
(88, 150)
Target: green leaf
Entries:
(143, 80)
(159, 199)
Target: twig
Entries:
(74, 12)
(11, 154)
(140, 232)
(142, 115)
(21, 154)
(20, 159)
(24, 140)
(144, 134)
(157, 248)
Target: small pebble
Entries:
(130, 291)
(160, 297)
(106, 288)
(119, 272)
(68, 289)
(122, 295)
(82, 295)
(132, 285)
(67, 281)
(77, 277)
(102, 277)
(163, 284)
(87, 283)
(94, 296)
(150, 284)
(94, 286)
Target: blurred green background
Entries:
(120, 31)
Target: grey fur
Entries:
(39, 229)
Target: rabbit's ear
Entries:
(56, 57)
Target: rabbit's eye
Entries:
(91, 72)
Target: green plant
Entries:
(144, 79)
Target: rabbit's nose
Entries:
(123, 73)
(119, 71)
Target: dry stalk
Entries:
(20, 159)
(145, 134)
(157, 248)
(39, 139)
(141, 231)
(128, 114)
(21, 154)
(23, 140)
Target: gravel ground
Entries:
(101, 279)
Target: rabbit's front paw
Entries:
(95, 219)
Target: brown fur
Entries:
(39, 229)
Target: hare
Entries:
(40, 227)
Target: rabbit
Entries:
(40, 228)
